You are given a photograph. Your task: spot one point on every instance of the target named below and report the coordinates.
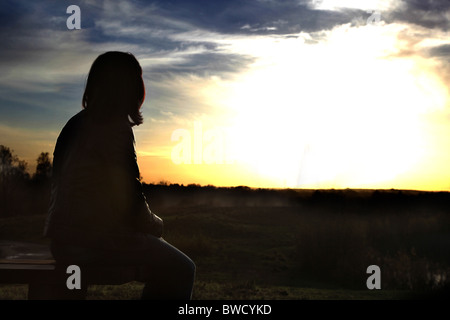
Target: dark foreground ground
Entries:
(291, 244)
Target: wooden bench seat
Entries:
(32, 264)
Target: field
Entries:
(291, 244)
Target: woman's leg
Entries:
(167, 272)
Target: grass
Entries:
(217, 290)
(290, 252)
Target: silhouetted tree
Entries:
(11, 165)
(43, 167)
(6, 157)
(13, 180)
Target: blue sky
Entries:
(203, 59)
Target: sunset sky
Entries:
(263, 93)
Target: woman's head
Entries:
(114, 88)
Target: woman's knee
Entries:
(174, 259)
(191, 267)
(186, 267)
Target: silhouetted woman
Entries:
(98, 212)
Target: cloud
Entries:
(180, 44)
(256, 17)
(442, 54)
(442, 51)
(203, 64)
(431, 14)
(38, 51)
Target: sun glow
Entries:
(343, 109)
(340, 113)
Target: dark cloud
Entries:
(427, 5)
(203, 64)
(431, 14)
(442, 51)
(256, 17)
(33, 31)
(11, 12)
(442, 54)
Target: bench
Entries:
(33, 264)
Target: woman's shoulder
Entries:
(72, 126)
(83, 121)
(75, 121)
(84, 125)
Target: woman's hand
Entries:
(148, 222)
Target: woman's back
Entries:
(95, 180)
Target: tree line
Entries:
(23, 193)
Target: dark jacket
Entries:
(96, 195)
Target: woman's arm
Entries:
(146, 220)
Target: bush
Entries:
(339, 248)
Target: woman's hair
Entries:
(114, 88)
